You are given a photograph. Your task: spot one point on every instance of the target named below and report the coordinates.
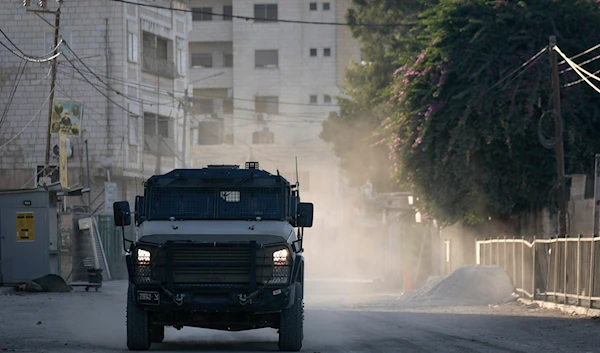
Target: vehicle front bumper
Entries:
(214, 299)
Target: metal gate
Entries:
(113, 244)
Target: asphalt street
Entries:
(337, 320)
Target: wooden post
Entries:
(558, 131)
(593, 242)
(523, 246)
(578, 277)
(533, 267)
(514, 262)
(565, 268)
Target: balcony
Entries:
(159, 67)
(200, 75)
(211, 31)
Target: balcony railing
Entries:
(159, 67)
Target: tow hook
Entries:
(178, 299)
(245, 299)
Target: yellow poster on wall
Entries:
(64, 181)
(25, 226)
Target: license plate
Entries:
(148, 298)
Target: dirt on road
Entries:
(86, 322)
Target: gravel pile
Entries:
(468, 285)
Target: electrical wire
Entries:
(13, 91)
(30, 121)
(43, 57)
(251, 18)
(234, 99)
(578, 69)
(522, 67)
(573, 83)
(582, 53)
(29, 58)
(581, 64)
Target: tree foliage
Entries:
(366, 92)
(463, 137)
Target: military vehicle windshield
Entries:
(195, 203)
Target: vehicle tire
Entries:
(157, 333)
(138, 328)
(291, 327)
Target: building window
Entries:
(266, 104)
(162, 48)
(133, 154)
(313, 6)
(313, 51)
(132, 47)
(327, 99)
(265, 12)
(327, 52)
(156, 125)
(202, 60)
(313, 99)
(228, 106)
(202, 14)
(133, 129)
(227, 12)
(266, 58)
(158, 56)
(210, 132)
(227, 60)
(181, 65)
(204, 106)
(326, 6)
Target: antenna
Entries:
(297, 181)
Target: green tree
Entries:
(464, 139)
(366, 92)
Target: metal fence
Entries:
(563, 270)
(113, 244)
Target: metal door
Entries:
(24, 251)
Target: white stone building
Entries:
(137, 59)
(261, 89)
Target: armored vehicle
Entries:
(217, 248)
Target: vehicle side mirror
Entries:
(305, 215)
(122, 213)
(139, 209)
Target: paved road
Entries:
(87, 322)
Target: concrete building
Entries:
(134, 60)
(262, 88)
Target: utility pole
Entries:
(558, 131)
(597, 196)
(56, 13)
(186, 102)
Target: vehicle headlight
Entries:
(280, 257)
(143, 257)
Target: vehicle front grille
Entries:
(216, 264)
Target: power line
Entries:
(521, 67)
(582, 63)
(251, 18)
(582, 53)
(27, 125)
(29, 58)
(578, 81)
(12, 93)
(578, 69)
(307, 119)
(205, 96)
(25, 56)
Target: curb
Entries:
(568, 309)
